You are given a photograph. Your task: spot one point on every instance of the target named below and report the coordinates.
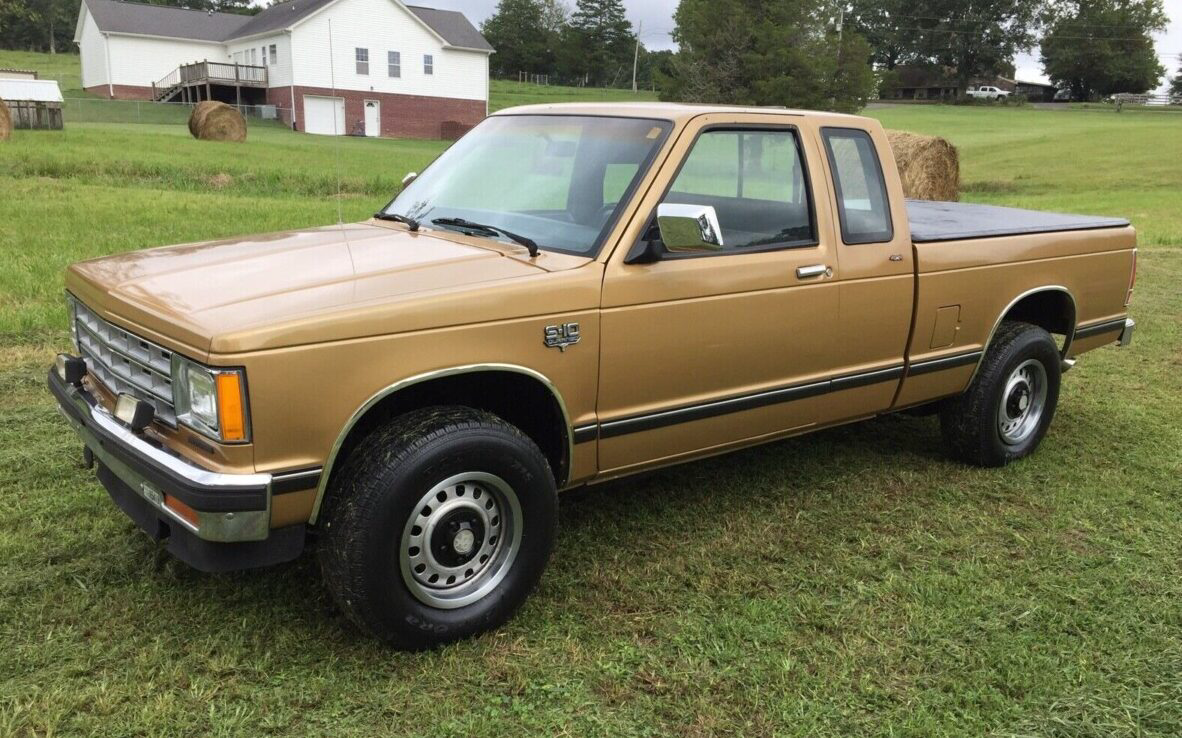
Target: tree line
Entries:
(833, 55)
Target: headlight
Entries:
(210, 401)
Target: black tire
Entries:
(970, 423)
(381, 485)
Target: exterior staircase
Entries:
(194, 82)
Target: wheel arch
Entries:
(1051, 307)
(509, 391)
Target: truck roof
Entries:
(677, 112)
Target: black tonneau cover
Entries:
(955, 221)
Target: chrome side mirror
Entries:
(687, 229)
(410, 177)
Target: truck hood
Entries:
(296, 287)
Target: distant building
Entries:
(17, 74)
(909, 82)
(1036, 91)
(386, 68)
(33, 103)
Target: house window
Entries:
(253, 59)
(394, 63)
(263, 55)
(362, 61)
(428, 64)
(274, 55)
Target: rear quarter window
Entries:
(862, 204)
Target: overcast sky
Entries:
(656, 19)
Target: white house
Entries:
(378, 67)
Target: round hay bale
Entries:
(929, 166)
(5, 122)
(218, 122)
(198, 115)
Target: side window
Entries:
(755, 181)
(428, 64)
(394, 63)
(362, 56)
(862, 204)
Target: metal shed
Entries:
(34, 103)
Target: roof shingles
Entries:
(114, 16)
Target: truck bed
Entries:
(956, 221)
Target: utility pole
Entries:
(837, 70)
(636, 54)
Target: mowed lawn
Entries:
(852, 582)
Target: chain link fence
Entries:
(98, 110)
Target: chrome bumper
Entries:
(229, 507)
(1126, 335)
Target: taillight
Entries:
(1132, 280)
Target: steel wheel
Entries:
(1022, 402)
(461, 540)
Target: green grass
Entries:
(65, 68)
(848, 583)
(506, 94)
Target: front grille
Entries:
(124, 362)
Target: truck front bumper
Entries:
(1126, 334)
(223, 521)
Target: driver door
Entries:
(705, 351)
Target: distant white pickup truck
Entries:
(987, 92)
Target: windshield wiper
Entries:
(489, 229)
(410, 222)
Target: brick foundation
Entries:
(402, 116)
(122, 92)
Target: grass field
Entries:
(850, 582)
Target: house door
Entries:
(373, 118)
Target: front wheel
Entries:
(1007, 409)
(438, 527)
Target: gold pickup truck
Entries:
(569, 294)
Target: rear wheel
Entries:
(438, 527)
(1009, 406)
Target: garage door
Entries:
(324, 115)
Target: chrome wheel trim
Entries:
(491, 506)
(1023, 401)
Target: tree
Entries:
(768, 52)
(37, 25)
(1176, 83)
(517, 31)
(555, 16)
(884, 25)
(1103, 47)
(599, 43)
(977, 38)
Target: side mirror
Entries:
(687, 229)
(410, 177)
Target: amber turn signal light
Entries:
(231, 412)
(183, 511)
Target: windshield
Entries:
(556, 180)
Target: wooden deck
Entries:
(194, 82)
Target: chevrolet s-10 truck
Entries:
(569, 294)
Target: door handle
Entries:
(809, 272)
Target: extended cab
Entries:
(569, 294)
